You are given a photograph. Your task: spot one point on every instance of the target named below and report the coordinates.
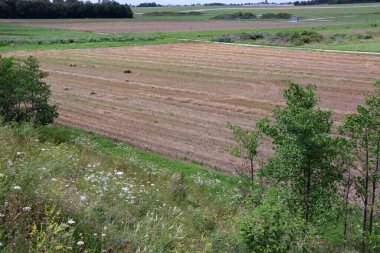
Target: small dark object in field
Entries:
(66, 89)
(72, 65)
(127, 71)
(92, 93)
(127, 81)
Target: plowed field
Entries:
(178, 98)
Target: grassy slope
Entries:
(136, 199)
(120, 198)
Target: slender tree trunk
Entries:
(364, 225)
(374, 188)
(251, 160)
(307, 200)
(348, 186)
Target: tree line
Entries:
(316, 2)
(63, 9)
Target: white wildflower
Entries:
(119, 173)
(53, 179)
(9, 163)
(82, 198)
(103, 235)
(2, 175)
(18, 154)
(1, 215)
(125, 189)
(16, 187)
(1, 244)
(26, 209)
(43, 149)
(71, 222)
(80, 243)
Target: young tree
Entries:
(247, 142)
(23, 94)
(363, 132)
(305, 149)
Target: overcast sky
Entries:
(183, 2)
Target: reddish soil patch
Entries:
(127, 25)
(178, 98)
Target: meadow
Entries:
(16, 37)
(346, 13)
(71, 191)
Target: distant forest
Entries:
(63, 9)
(315, 2)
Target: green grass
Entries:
(344, 12)
(61, 134)
(120, 198)
(44, 39)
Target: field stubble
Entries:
(178, 98)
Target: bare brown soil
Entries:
(178, 98)
(127, 25)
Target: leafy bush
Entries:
(271, 227)
(238, 15)
(224, 38)
(298, 38)
(23, 94)
(276, 16)
(252, 36)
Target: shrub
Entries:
(238, 15)
(272, 227)
(251, 36)
(276, 16)
(298, 38)
(23, 94)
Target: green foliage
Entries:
(238, 15)
(276, 15)
(23, 94)
(53, 234)
(247, 142)
(298, 38)
(305, 150)
(63, 9)
(363, 132)
(121, 199)
(271, 227)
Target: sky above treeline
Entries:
(188, 2)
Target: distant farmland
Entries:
(178, 98)
(137, 26)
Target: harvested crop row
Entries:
(177, 98)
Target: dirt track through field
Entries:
(179, 97)
(135, 26)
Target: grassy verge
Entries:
(65, 190)
(45, 39)
(62, 134)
